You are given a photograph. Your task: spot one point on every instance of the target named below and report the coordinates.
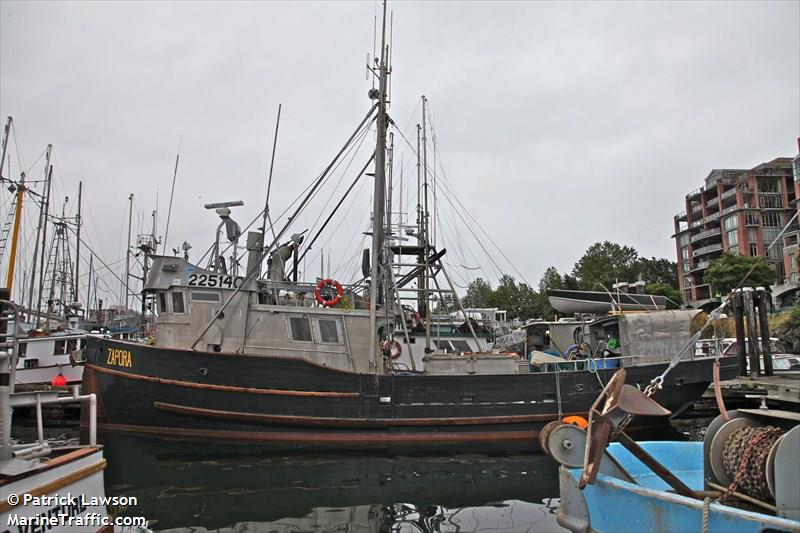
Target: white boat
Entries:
(46, 358)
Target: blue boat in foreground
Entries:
(613, 504)
(744, 476)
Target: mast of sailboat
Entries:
(42, 229)
(77, 277)
(15, 234)
(128, 251)
(379, 196)
(6, 133)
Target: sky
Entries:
(557, 124)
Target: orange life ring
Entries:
(328, 282)
(392, 348)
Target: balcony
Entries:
(711, 248)
(714, 232)
(681, 216)
(727, 194)
(712, 217)
(699, 265)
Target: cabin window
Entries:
(205, 296)
(177, 302)
(300, 328)
(461, 346)
(72, 345)
(162, 302)
(328, 331)
(22, 349)
(58, 347)
(443, 346)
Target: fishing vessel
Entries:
(242, 356)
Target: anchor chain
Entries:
(744, 458)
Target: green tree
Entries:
(673, 295)
(551, 279)
(606, 263)
(656, 270)
(479, 294)
(727, 272)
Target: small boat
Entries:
(44, 488)
(744, 476)
(569, 302)
(47, 358)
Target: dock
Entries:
(782, 389)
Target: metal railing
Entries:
(707, 233)
(707, 249)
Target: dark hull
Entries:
(292, 404)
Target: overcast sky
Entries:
(558, 124)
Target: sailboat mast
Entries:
(6, 133)
(78, 242)
(379, 196)
(45, 209)
(15, 235)
(128, 251)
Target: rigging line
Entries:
(339, 224)
(361, 223)
(348, 147)
(20, 159)
(354, 151)
(466, 223)
(446, 183)
(336, 208)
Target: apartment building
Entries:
(737, 211)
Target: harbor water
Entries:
(198, 487)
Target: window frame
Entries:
(173, 294)
(291, 331)
(338, 327)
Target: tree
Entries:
(606, 263)
(656, 270)
(673, 295)
(727, 272)
(551, 279)
(479, 294)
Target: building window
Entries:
(770, 234)
(770, 201)
(328, 331)
(751, 219)
(791, 263)
(731, 222)
(685, 253)
(177, 302)
(683, 240)
(300, 328)
(733, 238)
(753, 249)
(772, 220)
(162, 302)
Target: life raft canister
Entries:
(328, 282)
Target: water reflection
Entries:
(181, 485)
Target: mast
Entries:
(269, 187)
(128, 251)
(171, 194)
(89, 290)
(77, 278)
(6, 133)
(48, 170)
(378, 208)
(15, 235)
(425, 221)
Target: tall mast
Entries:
(269, 187)
(76, 287)
(48, 171)
(171, 194)
(89, 290)
(15, 235)
(128, 251)
(425, 233)
(6, 133)
(379, 196)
